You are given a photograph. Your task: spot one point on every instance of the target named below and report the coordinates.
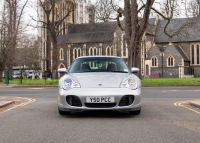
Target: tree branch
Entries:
(120, 13)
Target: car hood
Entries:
(94, 80)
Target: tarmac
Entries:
(5, 101)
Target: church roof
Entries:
(177, 47)
(89, 33)
(180, 50)
(104, 32)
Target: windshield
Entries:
(98, 64)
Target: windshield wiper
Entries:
(119, 71)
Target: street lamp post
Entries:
(162, 64)
(162, 55)
(180, 66)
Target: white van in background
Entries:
(31, 73)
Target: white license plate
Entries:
(100, 99)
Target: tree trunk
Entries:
(135, 27)
(1, 73)
(55, 59)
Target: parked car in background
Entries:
(99, 83)
(47, 74)
(17, 75)
(30, 73)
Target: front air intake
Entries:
(73, 100)
(126, 100)
(100, 105)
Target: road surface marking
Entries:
(29, 100)
(36, 88)
(181, 104)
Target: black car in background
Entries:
(47, 74)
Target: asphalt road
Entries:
(160, 120)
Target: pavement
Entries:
(5, 101)
(195, 103)
(9, 85)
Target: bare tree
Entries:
(106, 10)
(2, 42)
(193, 8)
(28, 48)
(55, 20)
(136, 15)
(135, 24)
(171, 9)
(10, 27)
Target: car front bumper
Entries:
(82, 93)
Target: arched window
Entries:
(170, 61)
(195, 54)
(63, 27)
(61, 65)
(61, 54)
(76, 53)
(79, 52)
(108, 51)
(93, 51)
(154, 62)
(198, 53)
(192, 51)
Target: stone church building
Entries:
(178, 56)
(161, 56)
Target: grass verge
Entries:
(171, 82)
(35, 82)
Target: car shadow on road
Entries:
(100, 114)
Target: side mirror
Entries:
(62, 70)
(135, 70)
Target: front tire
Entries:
(63, 112)
(137, 112)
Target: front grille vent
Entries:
(126, 100)
(100, 105)
(73, 100)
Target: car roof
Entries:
(99, 56)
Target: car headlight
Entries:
(129, 83)
(69, 84)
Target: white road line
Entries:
(30, 100)
(181, 103)
(181, 90)
(36, 88)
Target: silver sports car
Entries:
(99, 83)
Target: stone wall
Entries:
(168, 72)
(196, 71)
